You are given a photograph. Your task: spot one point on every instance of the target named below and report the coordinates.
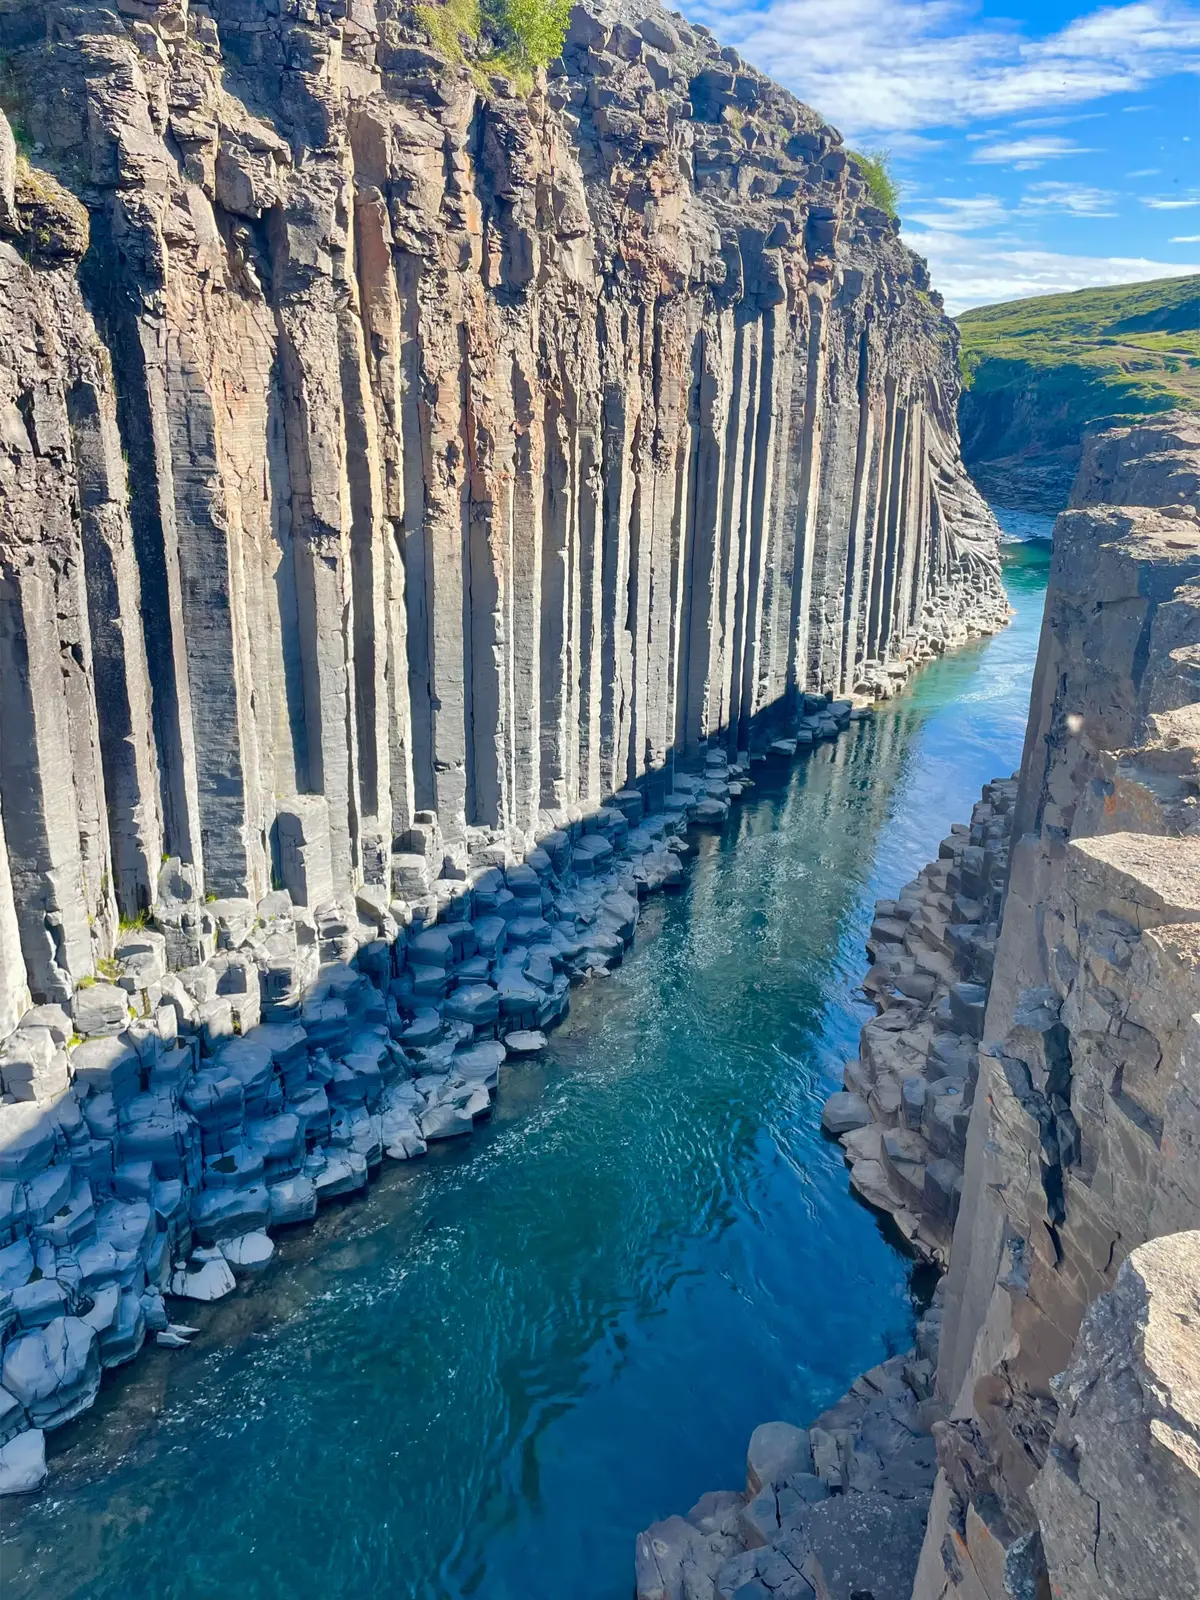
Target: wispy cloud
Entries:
(973, 272)
(1024, 154)
(963, 215)
(1075, 200)
(1060, 122)
(1171, 205)
(1145, 172)
(886, 66)
(1186, 238)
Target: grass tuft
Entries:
(513, 39)
(875, 167)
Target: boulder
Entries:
(525, 1042)
(776, 1450)
(445, 1122)
(843, 1112)
(100, 1008)
(203, 1280)
(107, 1066)
(54, 1371)
(23, 1463)
(249, 1251)
(293, 1200)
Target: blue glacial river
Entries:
(487, 1376)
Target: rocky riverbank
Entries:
(902, 1116)
(1028, 1095)
(151, 1141)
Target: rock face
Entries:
(1028, 1098)
(1082, 1142)
(374, 448)
(1125, 1457)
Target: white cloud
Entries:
(1145, 172)
(1186, 238)
(977, 272)
(1171, 205)
(964, 215)
(1059, 122)
(1023, 154)
(880, 67)
(1076, 200)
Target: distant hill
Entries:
(1039, 372)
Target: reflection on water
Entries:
(488, 1375)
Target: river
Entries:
(487, 1376)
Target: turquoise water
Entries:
(486, 1377)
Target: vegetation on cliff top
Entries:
(513, 38)
(1037, 373)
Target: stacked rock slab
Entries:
(1083, 1149)
(902, 1116)
(378, 449)
(241, 1064)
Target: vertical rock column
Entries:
(121, 674)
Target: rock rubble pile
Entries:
(835, 1510)
(902, 1116)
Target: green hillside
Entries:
(1038, 372)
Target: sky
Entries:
(1039, 145)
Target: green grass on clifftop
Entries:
(1038, 372)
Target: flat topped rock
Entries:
(843, 1112)
(866, 1544)
(209, 1280)
(525, 1041)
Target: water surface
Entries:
(487, 1376)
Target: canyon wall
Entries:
(1067, 1453)
(386, 457)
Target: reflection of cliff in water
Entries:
(484, 1377)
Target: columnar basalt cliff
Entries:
(1029, 1090)
(402, 475)
(392, 448)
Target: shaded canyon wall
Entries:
(1070, 1351)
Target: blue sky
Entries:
(1039, 146)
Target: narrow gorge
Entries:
(448, 500)
(1026, 1106)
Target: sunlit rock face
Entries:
(396, 448)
